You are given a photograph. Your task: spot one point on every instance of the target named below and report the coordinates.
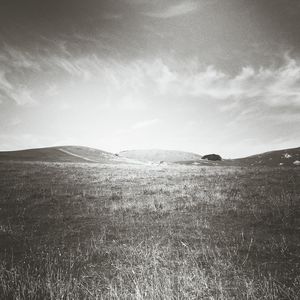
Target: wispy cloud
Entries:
(5, 87)
(129, 84)
(275, 87)
(20, 95)
(15, 65)
(18, 59)
(176, 10)
(4, 83)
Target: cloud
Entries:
(16, 66)
(18, 59)
(73, 67)
(4, 83)
(273, 87)
(176, 10)
(130, 85)
(22, 96)
(111, 93)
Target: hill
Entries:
(285, 157)
(157, 155)
(77, 154)
(62, 154)
(278, 158)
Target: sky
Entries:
(194, 75)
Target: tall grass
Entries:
(79, 231)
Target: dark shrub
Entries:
(212, 157)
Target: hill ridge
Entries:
(158, 155)
(61, 154)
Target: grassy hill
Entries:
(279, 158)
(157, 155)
(73, 154)
(79, 154)
(286, 158)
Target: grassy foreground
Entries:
(91, 231)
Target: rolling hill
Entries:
(79, 154)
(286, 157)
(62, 154)
(278, 158)
(157, 155)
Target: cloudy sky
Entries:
(195, 75)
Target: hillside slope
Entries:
(285, 157)
(278, 158)
(157, 155)
(62, 154)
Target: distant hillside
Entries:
(157, 155)
(278, 158)
(286, 157)
(283, 158)
(62, 154)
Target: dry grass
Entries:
(88, 231)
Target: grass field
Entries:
(93, 231)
